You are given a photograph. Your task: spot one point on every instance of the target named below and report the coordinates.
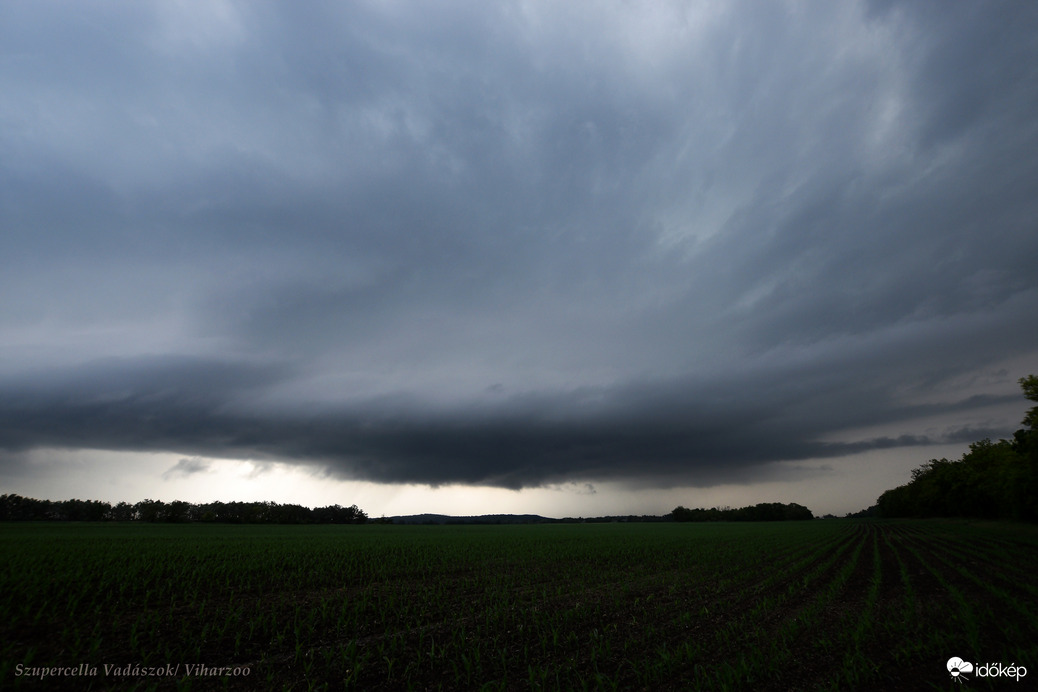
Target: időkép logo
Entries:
(960, 670)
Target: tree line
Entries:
(18, 508)
(764, 511)
(993, 480)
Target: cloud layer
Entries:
(514, 244)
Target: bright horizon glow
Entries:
(824, 486)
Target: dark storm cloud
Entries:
(698, 432)
(513, 244)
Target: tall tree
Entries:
(992, 480)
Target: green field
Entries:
(825, 604)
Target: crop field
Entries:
(825, 604)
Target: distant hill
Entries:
(516, 519)
(482, 519)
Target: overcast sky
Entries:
(463, 253)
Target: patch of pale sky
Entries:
(198, 27)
